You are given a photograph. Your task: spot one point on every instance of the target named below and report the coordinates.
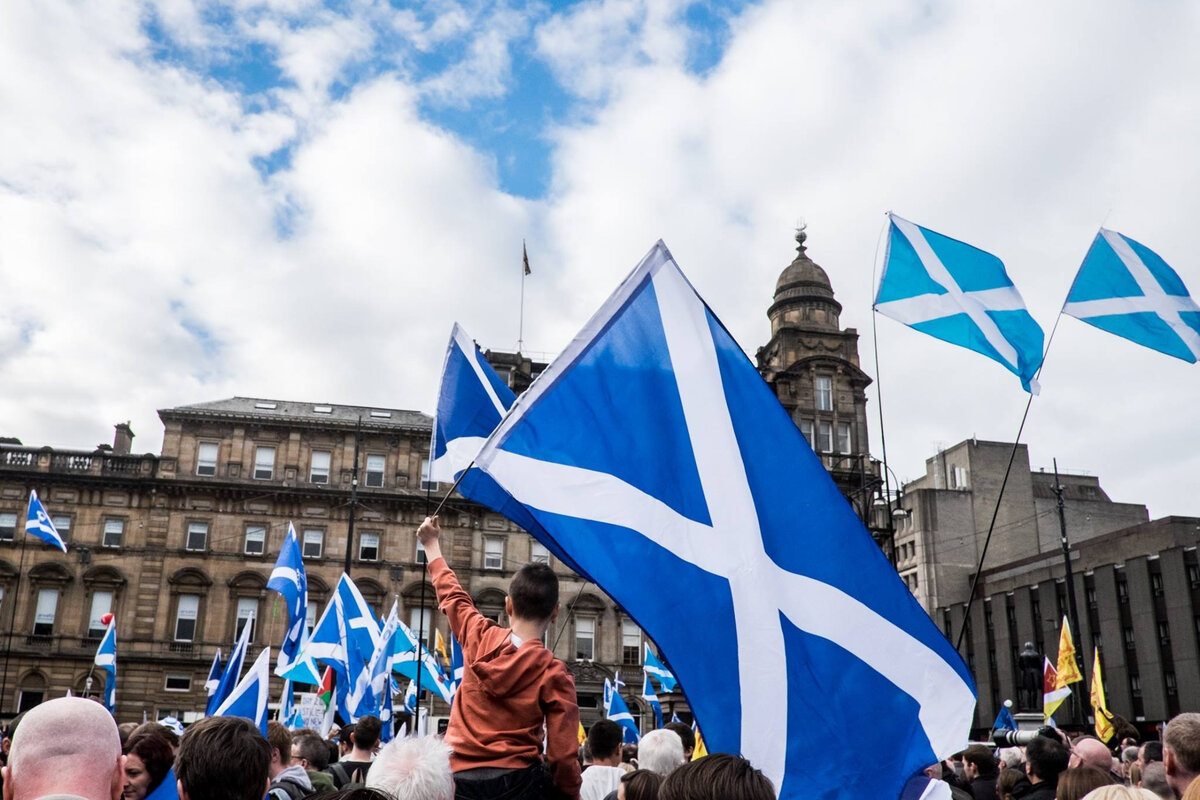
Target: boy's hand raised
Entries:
(429, 535)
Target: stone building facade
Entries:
(179, 546)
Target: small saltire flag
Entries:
(698, 478)
(525, 258)
(650, 697)
(675, 718)
(1068, 666)
(405, 655)
(701, 750)
(295, 722)
(959, 294)
(214, 680)
(608, 696)
(289, 579)
(1127, 289)
(1053, 695)
(657, 670)
(38, 522)
(106, 657)
(457, 666)
(249, 698)
(345, 638)
(619, 713)
(618, 684)
(1004, 720)
(471, 402)
(233, 671)
(410, 698)
(1104, 726)
(387, 715)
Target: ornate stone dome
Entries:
(803, 277)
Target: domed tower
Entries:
(812, 365)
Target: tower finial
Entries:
(801, 236)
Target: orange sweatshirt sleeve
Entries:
(466, 622)
(562, 730)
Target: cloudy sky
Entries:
(295, 199)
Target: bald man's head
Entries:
(1093, 753)
(65, 746)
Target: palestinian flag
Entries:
(325, 693)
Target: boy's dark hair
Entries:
(1152, 751)
(223, 758)
(604, 739)
(313, 749)
(685, 734)
(534, 592)
(280, 738)
(641, 784)
(981, 757)
(1047, 757)
(719, 776)
(366, 732)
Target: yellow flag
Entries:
(582, 734)
(1104, 726)
(439, 644)
(701, 751)
(1068, 669)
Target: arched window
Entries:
(248, 589)
(420, 618)
(585, 619)
(31, 690)
(189, 599)
(49, 582)
(104, 586)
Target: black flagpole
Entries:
(12, 620)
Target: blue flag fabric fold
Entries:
(959, 294)
(690, 480)
(106, 657)
(657, 670)
(1127, 289)
(652, 699)
(39, 524)
(619, 713)
(249, 698)
(232, 672)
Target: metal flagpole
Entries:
(524, 271)
(353, 496)
(1074, 609)
(12, 620)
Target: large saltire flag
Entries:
(106, 658)
(1053, 695)
(809, 650)
(289, 579)
(232, 672)
(959, 294)
(653, 667)
(471, 402)
(618, 712)
(406, 655)
(1104, 726)
(38, 523)
(345, 638)
(1068, 666)
(249, 698)
(1127, 289)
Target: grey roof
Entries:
(291, 411)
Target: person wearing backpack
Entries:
(288, 781)
(353, 768)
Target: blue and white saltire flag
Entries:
(921, 787)
(213, 681)
(657, 670)
(618, 712)
(471, 402)
(106, 657)
(387, 716)
(959, 294)
(403, 660)
(374, 684)
(294, 722)
(694, 471)
(38, 522)
(608, 696)
(675, 717)
(233, 671)
(650, 697)
(410, 698)
(1126, 288)
(249, 698)
(618, 684)
(457, 666)
(1004, 720)
(345, 638)
(289, 579)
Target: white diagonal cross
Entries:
(1167, 307)
(928, 307)
(732, 548)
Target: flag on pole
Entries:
(608, 696)
(696, 476)
(1053, 695)
(325, 694)
(619, 713)
(582, 735)
(1004, 720)
(657, 670)
(290, 581)
(959, 294)
(618, 684)
(106, 657)
(233, 670)
(345, 637)
(439, 644)
(1127, 289)
(249, 698)
(525, 258)
(1068, 666)
(38, 522)
(650, 697)
(700, 751)
(1104, 726)
(213, 681)
(407, 653)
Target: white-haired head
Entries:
(413, 769)
(68, 745)
(660, 751)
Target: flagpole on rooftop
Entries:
(12, 619)
(1074, 609)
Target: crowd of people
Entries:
(1059, 766)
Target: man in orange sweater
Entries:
(514, 692)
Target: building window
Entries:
(314, 543)
(585, 639)
(264, 463)
(1091, 596)
(247, 613)
(1127, 633)
(101, 605)
(197, 537)
(1156, 584)
(426, 484)
(256, 540)
(493, 552)
(1164, 634)
(806, 428)
(843, 438)
(420, 622)
(178, 683)
(368, 547)
(538, 554)
(1135, 685)
(114, 532)
(320, 466)
(63, 526)
(43, 618)
(310, 617)
(631, 644)
(1122, 591)
(206, 458)
(421, 557)
(824, 386)
(824, 437)
(375, 467)
(1170, 683)
(8, 526)
(958, 477)
(186, 612)
(1193, 573)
